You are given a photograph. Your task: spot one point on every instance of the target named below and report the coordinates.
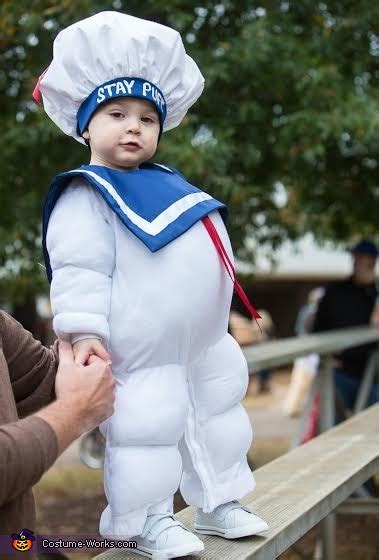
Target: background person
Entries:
(351, 303)
(247, 332)
(265, 333)
(304, 368)
(306, 316)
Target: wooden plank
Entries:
(284, 351)
(366, 506)
(297, 490)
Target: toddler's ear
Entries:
(85, 135)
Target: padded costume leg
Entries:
(218, 431)
(143, 466)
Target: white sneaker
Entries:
(230, 521)
(164, 537)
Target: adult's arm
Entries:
(28, 447)
(322, 319)
(27, 374)
(31, 366)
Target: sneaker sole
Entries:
(235, 533)
(169, 552)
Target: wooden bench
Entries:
(297, 490)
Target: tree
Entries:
(286, 132)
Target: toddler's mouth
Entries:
(131, 145)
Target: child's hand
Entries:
(87, 347)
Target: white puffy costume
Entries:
(133, 264)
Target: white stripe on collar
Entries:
(164, 167)
(164, 219)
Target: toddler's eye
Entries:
(147, 119)
(117, 114)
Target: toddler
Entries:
(140, 262)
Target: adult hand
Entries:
(89, 390)
(85, 396)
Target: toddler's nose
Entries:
(133, 125)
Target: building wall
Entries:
(282, 297)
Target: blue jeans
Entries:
(347, 388)
(264, 375)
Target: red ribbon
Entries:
(36, 92)
(229, 267)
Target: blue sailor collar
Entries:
(154, 202)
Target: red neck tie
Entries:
(229, 267)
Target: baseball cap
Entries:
(365, 247)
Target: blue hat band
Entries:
(120, 87)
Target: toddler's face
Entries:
(123, 133)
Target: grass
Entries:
(70, 480)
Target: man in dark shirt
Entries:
(346, 304)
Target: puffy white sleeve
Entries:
(81, 246)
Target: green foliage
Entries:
(290, 107)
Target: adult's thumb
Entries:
(66, 355)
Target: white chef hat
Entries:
(110, 55)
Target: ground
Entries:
(70, 496)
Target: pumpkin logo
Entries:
(23, 541)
